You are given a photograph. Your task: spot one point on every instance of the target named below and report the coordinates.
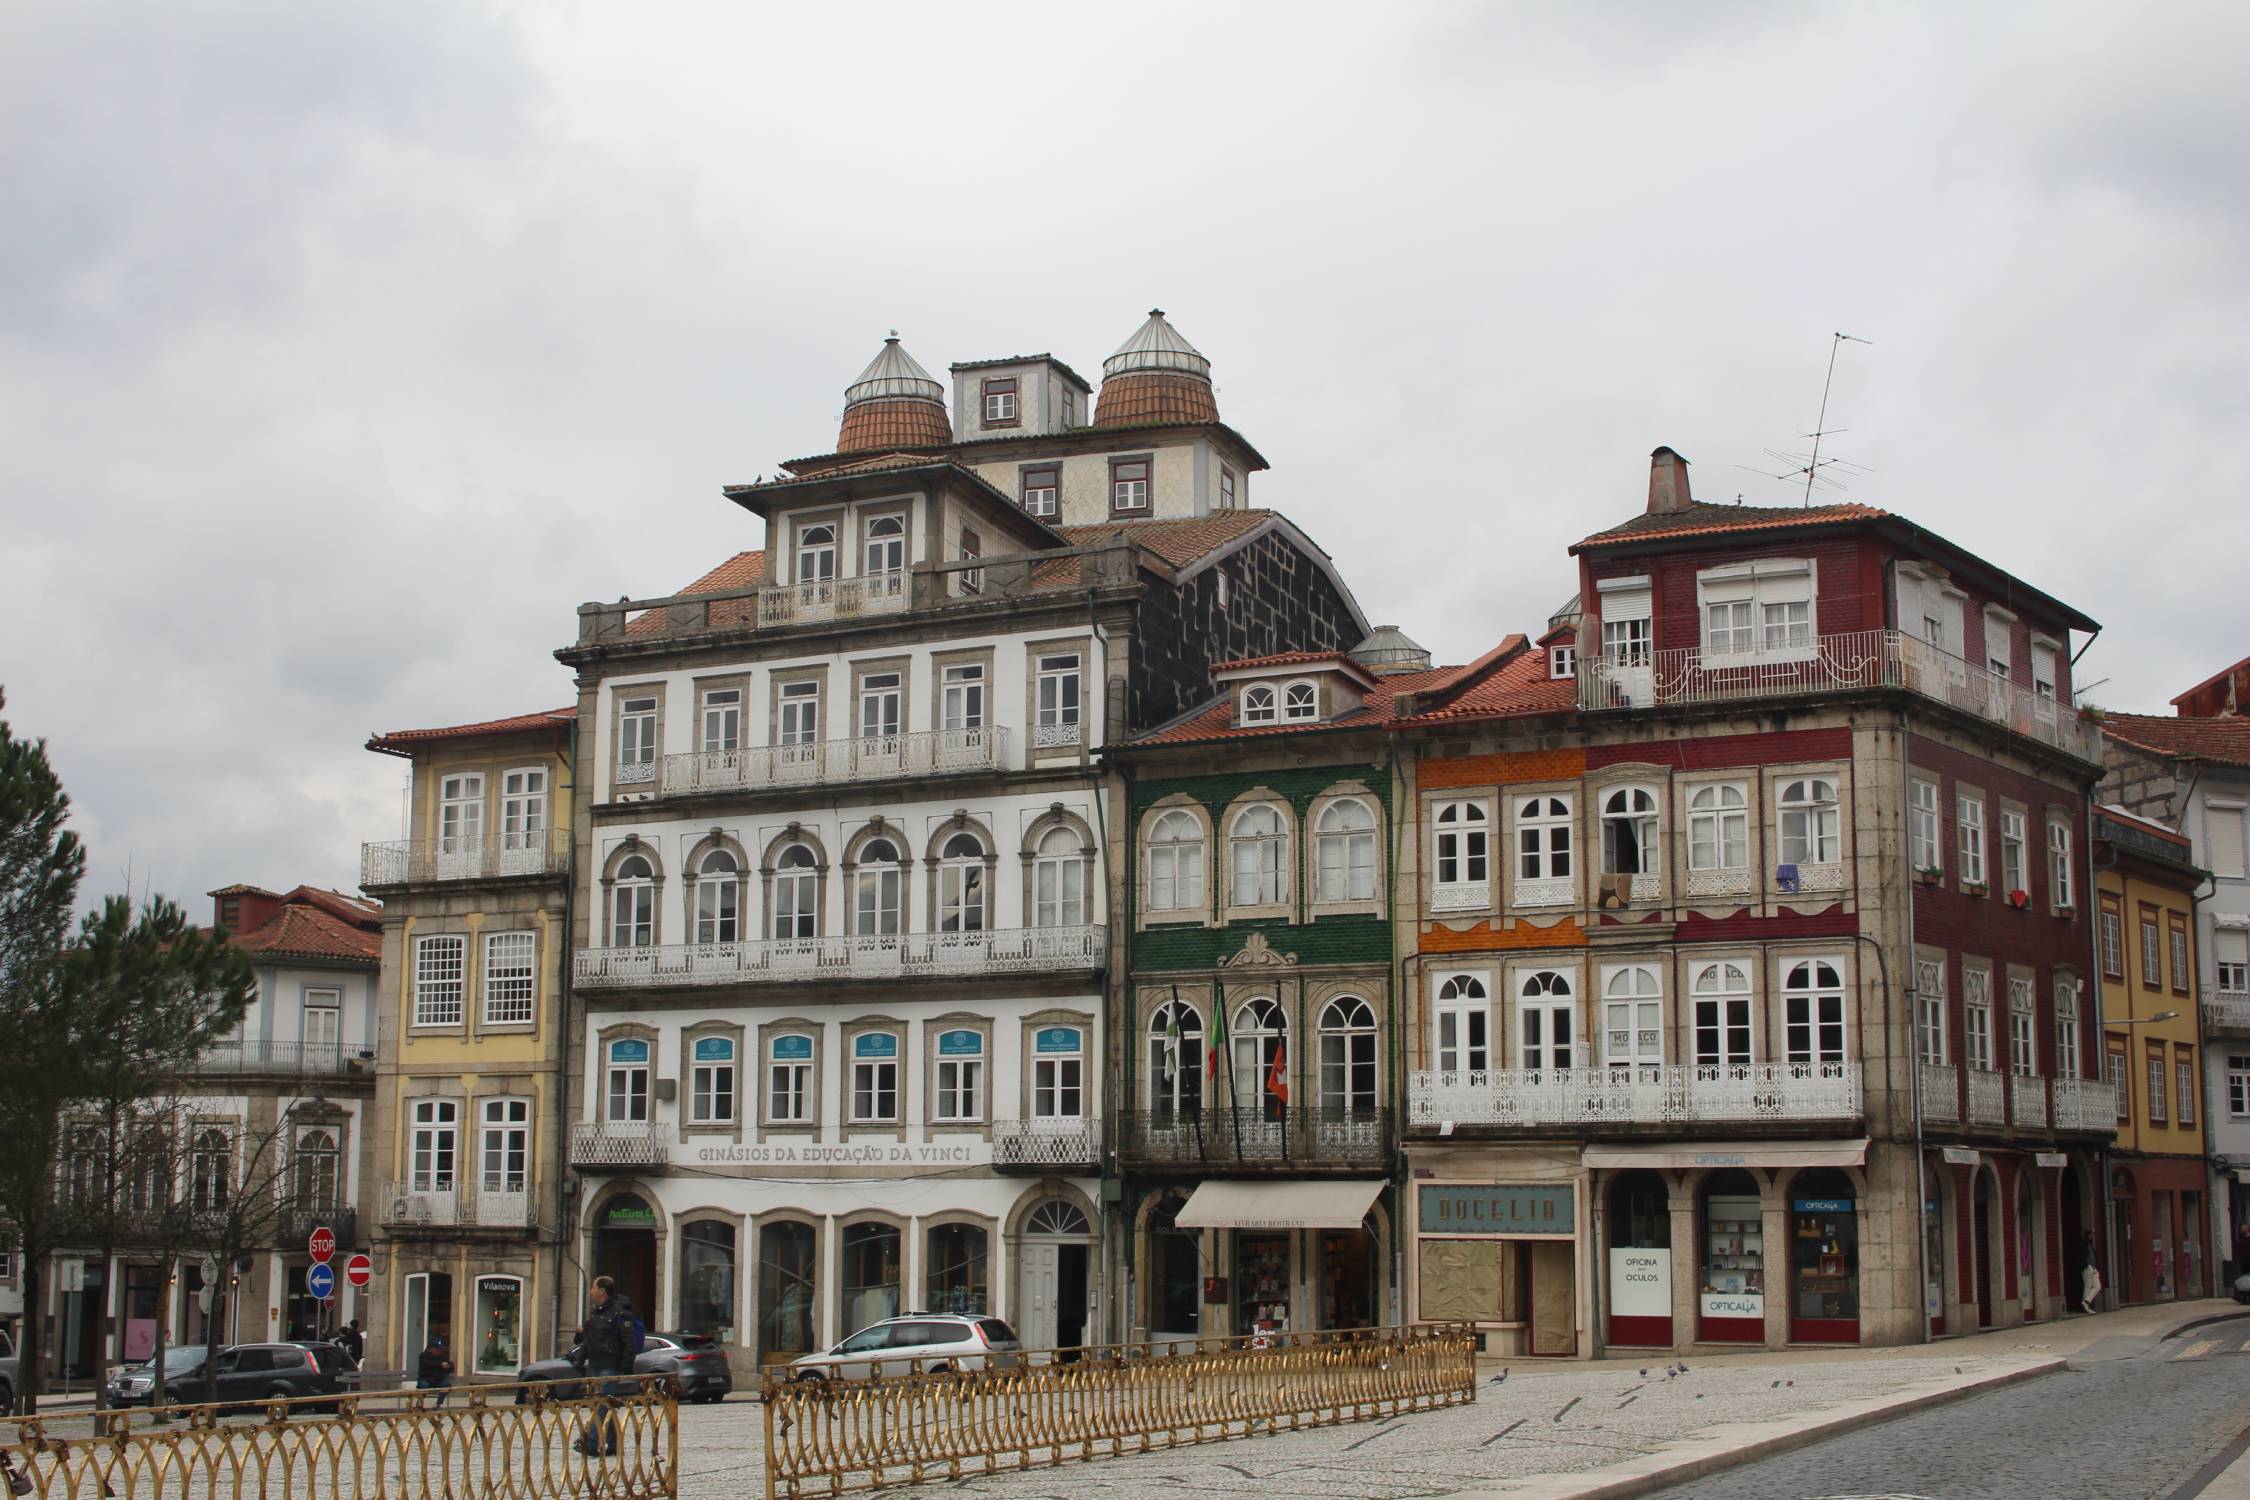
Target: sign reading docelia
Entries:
(1461, 1208)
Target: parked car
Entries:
(932, 1342)
(244, 1375)
(698, 1364)
(7, 1373)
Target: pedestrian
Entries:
(611, 1339)
(353, 1342)
(435, 1371)
(2089, 1275)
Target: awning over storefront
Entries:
(1279, 1205)
(1732, 1154)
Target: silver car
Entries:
(932, 1342)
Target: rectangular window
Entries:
(2176, 931)
(435, 1142)
(1128, 484)
(626, 1081)
(507, 978)
(1626, 643)
(2238, 1087)
(711, 1089)
(1721, 992)
(2222, 837)
(523, 808)
(1971, 813)
(636, 732)
(874, 1078)
(1544, 827)
(2152, 952)
(2015, 853)
(1040, 487)
(1463, 1033)
(2156, 1087)
(1058, 1074)
(878, 705)
(322, 1025)
(800, 713)
(1929, 1009)
(1788, 627)
(1222, 586)
(460, 812)
(2112, 929)
(1070, 408)
(1922, 828)
(1000, 403)
(789, 1080)
(504, 1154)
(1562, 661)
(2230, 961)
(1058, 697)
(1813, 1002)
(2066, 1028)
(963, 706)
(440, 968)
(2023, 1043)
(722, 720)
(1727, 628)
(1226, 487)
(972, 579)
(2121, 1079)
(1976, 994)
(2183, 1075)
(1719, 828)
(2059, 873)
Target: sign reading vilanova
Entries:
(1458, 1209)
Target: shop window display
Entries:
(1733, 1298)
(1261, 1274)
(1823, 1260)
(499, 1324)
(707, 1279)
(786, 1283)
(871, 1256)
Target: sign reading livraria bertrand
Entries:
(1450, 1208)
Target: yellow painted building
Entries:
(466, 1134)
(2145, 883)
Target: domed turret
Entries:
(1155, 377)
(893, 404)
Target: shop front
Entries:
(1823, 1258)
(1290, 1256)
(1504, 1257)
(1640, 1261)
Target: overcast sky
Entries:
(345, 349)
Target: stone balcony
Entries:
(922, 755)
(1017, 950)
(447, 1204)
(1592, 1098)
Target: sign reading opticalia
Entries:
(1640, 1283)
(1734, 1304)
(1452, 1208)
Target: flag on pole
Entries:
(1277, 1077)
(1172, 1038)
(1218, 1042)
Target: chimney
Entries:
(1667, 483)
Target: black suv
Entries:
(246, 1375)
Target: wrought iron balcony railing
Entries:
(493, 856)
(1061, 1144)
(471, 1202)
(1988, 1097)
(1267, 1134)
(1941, 1094)
(875, 757)
(2227, 1011)
(2085, 1104)
(1774, 1093)
(303, 1059)
(611, 1144)
(1008, 950)
(1855, 661)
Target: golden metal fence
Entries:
(825, 1437)
(481, 1444)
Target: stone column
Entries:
(1775, 1218)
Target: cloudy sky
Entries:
(345, 349)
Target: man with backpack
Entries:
(611, 1340)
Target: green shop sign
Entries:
(1478, 1209)
(634, 1212)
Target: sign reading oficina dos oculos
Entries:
(1463, 1208)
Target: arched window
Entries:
(1058, 880)
(1175, 862)
(961, 891)
(1347, 1057)
(1632, 1017)
(1057, 1217)
(316, 1170)
(1543, 839)
(1721, 993)
(1464, 1022)
(1812, 997)
(796, 894)
(957, 1258)
(816, 554)
(871, 1266)
(1462, 845)
(878, 885)
(1058, 1073)
(211, 1171)
(1629, 832)
(1260, 853)
(707, 1279)
(1543, 1020)
(1260, 1035)
(1719, 828)
(1344, 846)
(711, 1081)
(632, 903)
(628, 1080)
(718, 898)
(1257, 704)
(1300, 701)
(1809, 833)
(1175, 1059)
(886, 545)
(788, 1272)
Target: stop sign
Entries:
(321, 1245)
(359, 1270)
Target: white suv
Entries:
(931, 1342)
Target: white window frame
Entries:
(2238, 1087)
(1629, 642)
(434, 1144)
(1060, 696)
(632, 904)
(327, 1033)
(1462, 1040)
(875, 1082)
(1976, 1005)
(2015, 851)
(1646, 822)
(1058, 1079)
(1546, 1020)
(882, 700)
(2023, 1027)
(960, 1080)
(878, 894)
(1816, 1012)
(1344, 857)
(714, 1084)
(2158, 1066)
(1546, 840)
(1300, 701)
(1059, 870)
(1924, 849)
(511, 977)
(504, 1129)
(1461, 846)
(523, 807)
(2216, 815)
(461, 812)
(814, 557)
(963, 692)
(1260, 704)
(2067, 1022)
(883, 552)
(1562, 660)
(1265, 870)
(1043, 500)
(800, 713)
(1722, 1003)
(441, 984)
(1765, 610)
(1809, 810)
(1632, 1003)
(718, 898)
(636, 730)
(626, 1082)
(1969, 817)
(999, 406)
(2062, 892)
(1933, 1042)
(796, 918)
(1175, 863)
(2183, 1091)
(1719, 829)
(1348, 1057)
(789, 1081)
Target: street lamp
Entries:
(2162, 1015)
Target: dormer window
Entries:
(1757, 609)
(1562, 661)
(1258, 704)
(816, 554)
(1226, 487)
(1000, 402)
(886, 545)
(1042, 489)
(1129, 484)
(1300, 701)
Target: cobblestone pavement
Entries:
(2135, 1424)
(1556, 1421)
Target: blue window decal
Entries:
(875, 1044)
(628, 1052)
(960, 1044)
(714, 1049)
(1057, 1039)
(792, 1048)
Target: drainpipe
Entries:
(1401, 1207)
(565, 971)
(1101, 838)
(1913, 1030)
(2111, 1287)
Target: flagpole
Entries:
(1226, 1049)
(1171, 1037)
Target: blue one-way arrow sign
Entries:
(320, 1281)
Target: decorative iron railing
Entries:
(2227, 1011)
(1988, 1097)
(1007, 950)
(1851, 662)
(927, 752)
(825, 1439)
(494, 856)
(481, 1444)
(469, 1203)
(2027, 1101)
(618, 1143)
(1651, 1095)
(1071, 1143)
(2085, 1104)
(1941, 1094)
(311, 1059)
(1269, 1133)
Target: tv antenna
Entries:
(1811, 467)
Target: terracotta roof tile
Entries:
(2221, 742)
(1180, 542)
(1154, 396)
(1282, 659)
(401, 741)
(1520, 686)
(1702, 519)
(891, 423)
(1215, 721)
(741, 571)
(309, 926)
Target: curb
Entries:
(1660, 1471)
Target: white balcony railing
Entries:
(541, 851)
(2085, 1104)
(1046, 1143)
(329, 1059)
(833, 598)
(2227, 1010)
(614, 1143)
(2028, 1098)
(1017, 950)
(501, 1203)
(1988, 1097)
(1684, 1095)
(1850, 662)
(1941, 1094)
(928, 752)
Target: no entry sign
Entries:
(359, 1270)
(321, 1245)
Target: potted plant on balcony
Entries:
(2020, 900)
